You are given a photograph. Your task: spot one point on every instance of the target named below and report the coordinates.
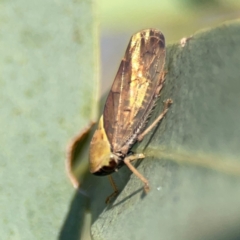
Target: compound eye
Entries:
(106, 170)
(112, 160)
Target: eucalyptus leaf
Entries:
(49, 83)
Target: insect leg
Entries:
(163, 75)
(128, 161)
(167, 103)
(114, 186)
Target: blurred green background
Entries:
(175, 18)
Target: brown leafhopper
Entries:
(129, 104)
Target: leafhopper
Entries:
(131, 100)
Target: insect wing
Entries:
(134, 89)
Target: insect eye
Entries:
(105, 170)
(112, 160)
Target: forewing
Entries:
(135, 86)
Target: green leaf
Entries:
(192, 158)
(49, 89)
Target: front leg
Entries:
(114, 186)
(127, 160)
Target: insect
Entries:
(132, 97)
(129, 104)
